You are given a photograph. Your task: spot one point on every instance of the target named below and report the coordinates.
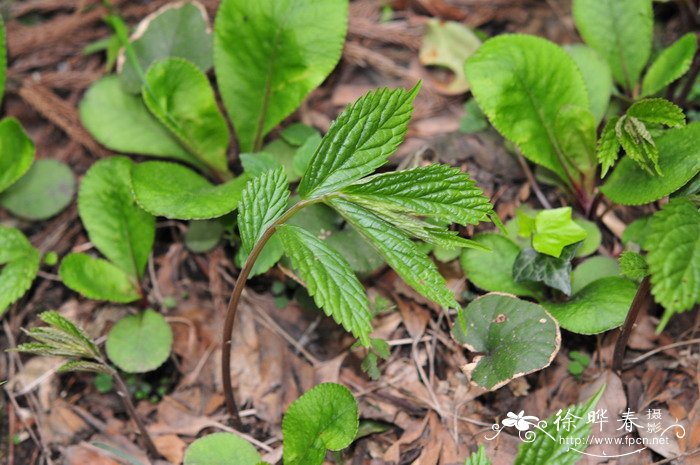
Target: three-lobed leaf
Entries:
(672, 63)
(554, 230)
(19, 264)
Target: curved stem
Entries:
(641, 298)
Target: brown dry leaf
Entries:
(410, 435)
(666, 450)
(37, 372)
(62, 424)
(171, 447)
(415, 318)
(85, 454)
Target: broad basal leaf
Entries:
(359, 141)
(657, 111)
(176, 192)
(121, 122)
(598, 307)
(263, 200)
(596, 75)
(554, 272)
(672, 63)
(593, 269)
(522, 82)
(621, 31)
(329, 280)
(19, 264)
(97, 279)
(182, 99)
(402, 254)
(438, 191)
(120, 230)
(268, 56)
(16, 152)
(554, 230)
(674, 256)
(179, 29)
(140, 343)
(515, 337)
(325, 417)
(679, 161)
(221, 449)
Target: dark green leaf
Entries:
(633, 265)
(554, 272)
(263, 201)
(608, 146)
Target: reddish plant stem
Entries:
(641, 298)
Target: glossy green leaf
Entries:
(633, 265)
(121, 122)
(672, 63)
(620, 31)
(598, 307)
(176, 192)
(19, 264)
(521, 83)
(555, 272)
(140, 343)
(554, 230)
(514, 337)
(359, 141)
(97, 279)
(203, 235)
(608, 147)
(329, 280)
(593, 269)
(44, 191)
(221, 449)
(182, 99)
(120, 230)
(657, 111)
(679, 161)
(179, 29)
(596, 75)
(16, 152)
(263, 201)
(325, 417)
(268, 56)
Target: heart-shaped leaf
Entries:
(16, 152)
(140, 343)
(97, 279)
(19, 264)
(221, 449)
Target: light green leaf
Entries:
(555, 272)
(437, 191)
(221, 449)
(521, 83)
(255, 164)
(203, 235)
(263, 201)
(608, 147)
(554, 230)
(620, 31)
(593, 237)
(176, 192)
(16, 152)
(44, 191)
(19, 264)
(633, 265)
(402, 254)
(576, 130)
(359, 141)
(516, 338)
(182, 99)
(493, 270)
(268, 56)
(121, 122)
(673, 247)
(672, 63)
(329, 280)
(448, 44)
(598, 307)
(596, 75)
(140, 343)
(325, 417)
(270, 255)
(478, 458)
(179, 29)
(120, 230)
(657, 111)
(679, 160)
(593, 269)
(97, 279)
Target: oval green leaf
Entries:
(16, 152)
(596, 75)
(593, 269)
(671, 64)
(140, 343)
(97, 279)
(221, 449)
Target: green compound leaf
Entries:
(596, 75)
(493, 270)
(19, 264)
(61, 338)
(182, 99)
(268, 56)
(672, 63)
(399, 251)
(121, 122)
(550, 446)
(264, 199)
(140, 343)
(329, 280)
(554, 272)
(598, 307)
(658, 111)
(478, 458)
(120, 230)
(608, 147)
(674, 256)
(16, 152)
(516, 337)
(679, 161)
(521, 83)
(97, 279)
(65, 325)
(437, 191)
(633, 265)
(359, 141)
(178, 29)
(221, 449)
(554, 230)
(593, 269)
(44, 191)
(620, 31)
(176, 192)
(325, 417)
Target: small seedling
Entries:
(578, 362)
